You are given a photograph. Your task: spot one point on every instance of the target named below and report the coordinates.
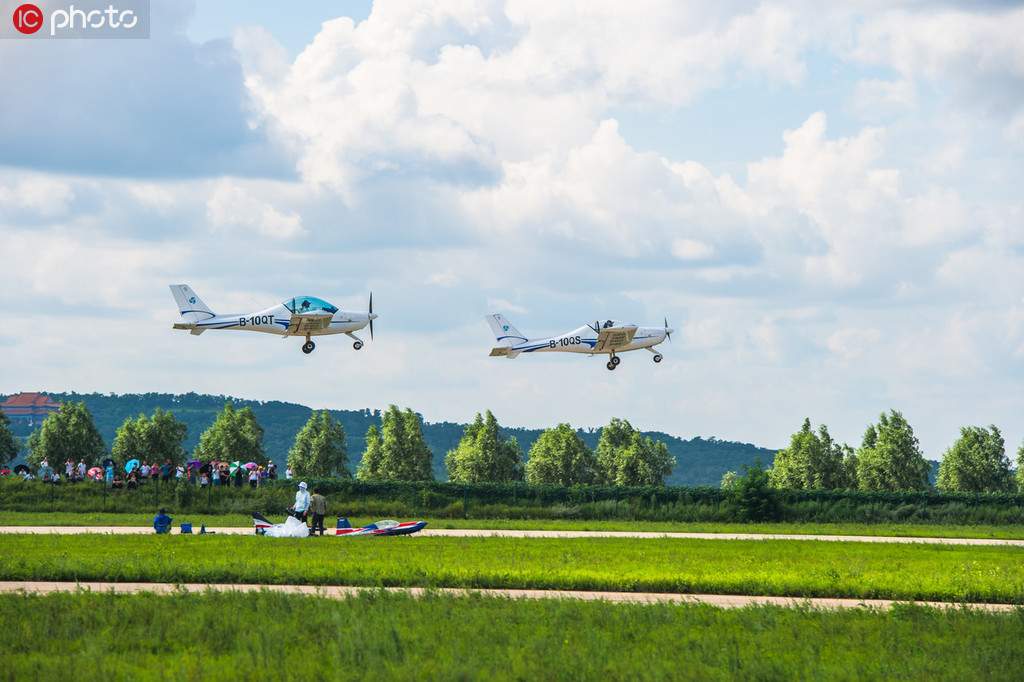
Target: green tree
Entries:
(319, 450)
(398, 452)
(155, 438)
(370, 465)
(130, 439)
(1020, 468)
(481, 455)
(976, 463)
(8, 444)
(890, 457)
(752, 496)
(165, 435)
(234, 435)
(68, 433)
(729, 480)
(812, 461)
(560, 457)
(627, 457)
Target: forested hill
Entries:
(699, 461)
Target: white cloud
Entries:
(231, 206)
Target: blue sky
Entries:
(825, 204)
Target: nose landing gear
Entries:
(357, 345)
(658, 358)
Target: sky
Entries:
(824, 202)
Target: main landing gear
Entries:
(357, 345)
(613, 362)
(308, 347)
(658, 357)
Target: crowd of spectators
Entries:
(138, 472)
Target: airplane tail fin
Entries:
(190, 306)
(506, 334)
(504, 331)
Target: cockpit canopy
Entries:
(309, 304)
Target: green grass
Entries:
(378, 636)
(239, 520)
(774, 567)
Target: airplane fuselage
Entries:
(584, 340)
(277, 320)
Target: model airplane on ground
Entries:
(607, 338)
(307, 316)
(386, 527)
(296, 528)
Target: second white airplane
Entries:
(607, 338)
(299, 316)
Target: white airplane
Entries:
(610, 338)
(299, 316)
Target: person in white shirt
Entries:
(301, 502)
(288, 474)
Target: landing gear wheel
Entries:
(616, 360)
(658, 357)
(357, 345)
(308, 347)
(611, 365)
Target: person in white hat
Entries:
(301, 505)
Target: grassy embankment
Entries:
(376, 636)
(770, 567)
(1014, 532)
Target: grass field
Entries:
(377, 636)
(235, 520)
(770, 567)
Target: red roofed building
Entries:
(30, 408)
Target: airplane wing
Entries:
(303, 323)
(613, 338)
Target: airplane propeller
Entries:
(371, 315)
(668, 334)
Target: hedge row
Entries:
(453, 500)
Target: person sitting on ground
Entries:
(318, 508)
(162, 522)
(301, 505)
(118, 481)
(204, 480)
(133, 481)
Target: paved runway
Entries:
(341, 591)
(465, 532)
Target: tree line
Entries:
(396, 451)
(890, 459)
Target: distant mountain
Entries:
(699, 461)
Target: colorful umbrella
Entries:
(5, 472)
(194, 464)
(235, 466)
(21, 469)
(95, 472)
(250, 465)
(130, 465)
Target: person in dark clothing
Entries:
(165, 470)
(239, 476)
(162, 522)
(318, 509)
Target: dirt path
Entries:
(341, 591)
(466, 532)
